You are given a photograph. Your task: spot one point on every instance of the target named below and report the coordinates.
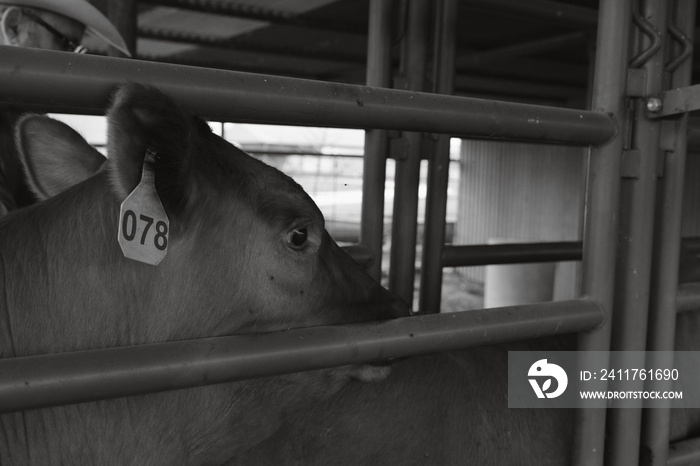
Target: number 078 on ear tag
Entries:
(143, 223)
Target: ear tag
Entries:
(143, 223)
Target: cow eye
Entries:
(297, 237)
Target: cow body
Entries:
(442, 409)
(247, 252)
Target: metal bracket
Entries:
(674, 102)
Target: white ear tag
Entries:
(143, 223)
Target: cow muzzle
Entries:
(388, 305)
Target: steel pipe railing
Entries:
(376, 141)
(404, 222)
(637, 216)
(656, 423)
(515, 253)
(444, 50)
(486, 254)
(37, 381)
(80, 83)
(601, 210)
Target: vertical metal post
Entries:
(601, 211)
(438, 170)
(376, 145)
(638, 202)
(664, 280)
(402, 269)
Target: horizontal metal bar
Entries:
(675, 101)
(688, 297)
(37, 381)
(515, 253)
(556, 13)
(518, 253)
(684, 453)
(508, 52)
(78, 83)
(470, 84)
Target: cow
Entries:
(441, 409)
(245, 251)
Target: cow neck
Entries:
(12, 425)
(7, 334)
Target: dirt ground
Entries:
(459, 293)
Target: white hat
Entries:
(83, 12)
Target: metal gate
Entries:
(628, 145)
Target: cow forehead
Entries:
(276, 196)
(284, 202)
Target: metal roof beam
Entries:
(232, 45)
(561, 14)
(253, 13)
(477, 59)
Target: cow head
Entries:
(247, 252)
(243, 234)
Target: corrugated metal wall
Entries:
(524, 191)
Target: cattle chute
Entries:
(85, 82)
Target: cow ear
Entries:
(55, 157)
(143, 119)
